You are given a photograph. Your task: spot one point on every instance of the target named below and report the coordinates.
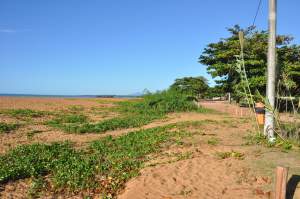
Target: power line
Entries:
(257, 10)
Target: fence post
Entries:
(280, 184)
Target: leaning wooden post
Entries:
(281, 179)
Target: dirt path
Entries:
(202, 174)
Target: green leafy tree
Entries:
(220, 59)
(194, 86)
(215, 91)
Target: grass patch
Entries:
(68, 121)
(260, 139)
(184, 156)
(213, 141)
(76, 108)
(7, 128)
(37, 185)
(68, 118)
(291, 131)
(31, 134)
(133, 113)
(24, 113)
(231, 154)
(112, 124)
(103, 168)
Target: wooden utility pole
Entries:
(270, 92)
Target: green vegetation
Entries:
(213, 141)
(30, 134)
(68, 118)
(37, 185)
(23, 113)
(104, 167)
(220, 60)
(260, 139)
(184, 156)
(6, 128)
(132, 113)
(68, 122)
(231, 154)
(193, 86)
(291, 131)
(216, 91)
(76, 108)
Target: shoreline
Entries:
(68, 96)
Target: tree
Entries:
(215, 91)
(220, 59)
(194, 86)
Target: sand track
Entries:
(203, 175)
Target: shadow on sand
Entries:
(291, 186)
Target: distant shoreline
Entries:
(69, 96)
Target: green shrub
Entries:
(6, 128)
(163, 102)
(213, 141)
(24, 113)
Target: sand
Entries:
(190, 170)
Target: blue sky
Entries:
(117, 46)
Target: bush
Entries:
(169, 101)
(24, 113)
(6, 128)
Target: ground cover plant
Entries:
(103, 167)
(32, 133)
(291, 131)
(230, 154)
(134, 113)
(260, 139)
(23, 113)
(76, 108)
(6, 128)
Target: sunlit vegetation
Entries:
(260, 139)
(32, 133)
(103, 167)
(23, 113)
(230, 154)
(7, 128)
(131, 113)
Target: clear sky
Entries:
(117, 46)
